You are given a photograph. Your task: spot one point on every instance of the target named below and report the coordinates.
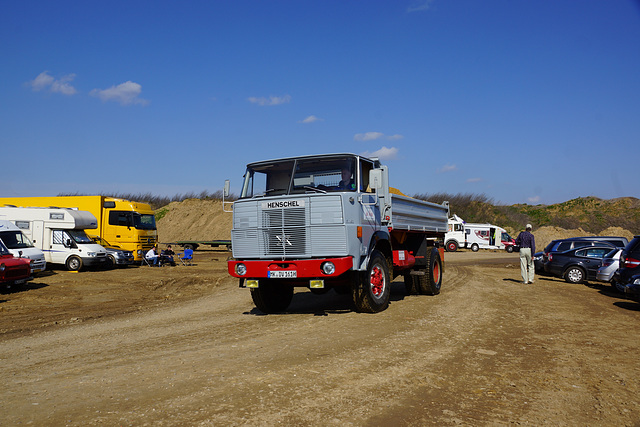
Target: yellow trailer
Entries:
(130, 225)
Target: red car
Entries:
(13, 271)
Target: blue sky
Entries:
(526, 101)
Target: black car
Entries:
(562, 245)
(629, 261)
(577, 265)
(632, 290)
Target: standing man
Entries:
(527, 244)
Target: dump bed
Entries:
(417, 215)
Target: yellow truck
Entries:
(127, 224)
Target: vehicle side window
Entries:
(581, 244)
(58, 237)
(563, 246)
(596, 252)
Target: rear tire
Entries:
(74, 263)
(574, 275)
(372, 288)
(431, 281)
(272, 297)
(475, 247)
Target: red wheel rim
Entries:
(377, 281)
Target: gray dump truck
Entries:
(332, 222)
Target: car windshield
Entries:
(15, 239)
(313, 175)
(79, 236)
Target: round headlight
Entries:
(241, 269)
(2, 267)
(328, 267)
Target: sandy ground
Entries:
(185, 346)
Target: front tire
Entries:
(373, 287)
(74, 263)
(272, 297)
(509, 248)
(431, 281)
(574, 275)
(451, 246)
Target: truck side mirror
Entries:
(225, 195)
(227, 185)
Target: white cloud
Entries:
(420, 5)
(272, 100)
(310, 119)
(383, 154)
(125, 93)
(367, 136)
(371, 136)
(447, 168)
(474, 180)
(535, 199)
(61, 85)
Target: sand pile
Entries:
(194, 219)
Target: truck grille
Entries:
(315, 229)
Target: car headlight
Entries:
(93, 254)
(2, 267)
(241, 269)
(328, 268)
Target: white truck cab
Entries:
(60, 234)
(21, 247)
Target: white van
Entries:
(476, 236)
(59, 232)
(21, 247)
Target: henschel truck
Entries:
(332, 222)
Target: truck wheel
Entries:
(372, 289)
(411, 284)
(451, 246)
(475, 247)
(574, 275)
(430, 283)
(272, 297)
(74, 263)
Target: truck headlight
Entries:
(328, 268)
(241, 269)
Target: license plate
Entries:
(287, 274)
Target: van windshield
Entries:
(79, 236)
(15, 239)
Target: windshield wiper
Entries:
(306, 187)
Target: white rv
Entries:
(21, 247)
(59, 233)
(476, 236)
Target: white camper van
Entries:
(476, 236)
(21, 247)
(59, 232)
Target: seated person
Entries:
(152, 255)
(347, 182)
(167, 255)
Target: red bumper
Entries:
(303, 268)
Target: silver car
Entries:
(609, 266)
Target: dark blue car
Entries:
(577, 265)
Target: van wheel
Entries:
(272, 297)
(372, 288)
(574, 275)
(509, 248)
(451, 246)
(74, 263)
(431, 281)
(475, 247)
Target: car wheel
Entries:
(509, 248)
(574, 275)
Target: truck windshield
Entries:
(144, 222)
(312, 175)
(79, 236)
(15, 240)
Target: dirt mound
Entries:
(544, 235)
(193, 219)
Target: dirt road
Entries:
(185, 346)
